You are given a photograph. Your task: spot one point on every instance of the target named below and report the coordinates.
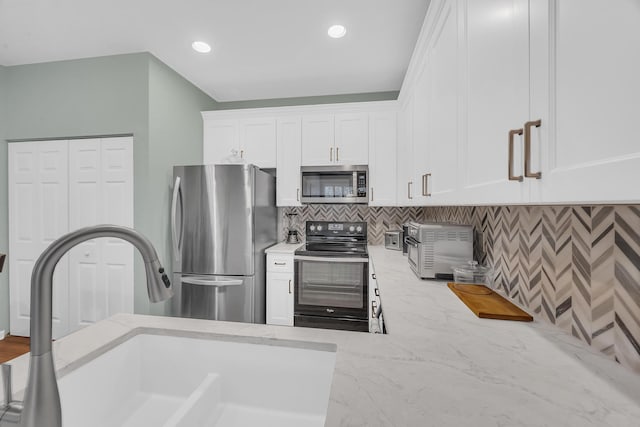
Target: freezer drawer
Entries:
(230, 298)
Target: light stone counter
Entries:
(283, 248)
(439, 366)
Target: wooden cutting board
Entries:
(487, 304)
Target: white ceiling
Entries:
(261, 48)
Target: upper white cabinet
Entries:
(340, 139)
(351, 139)
(322, 135)
(253, 138)
(382, 158)
(497, 100)
(405, 185)
(288, 162)
(318, 146)
(590, 150)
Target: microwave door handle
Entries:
(174, 225)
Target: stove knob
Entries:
(359, 229)
(352, 229)
(312, 228)
(319, 228)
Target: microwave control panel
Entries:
(362, 184)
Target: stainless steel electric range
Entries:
(331, 272)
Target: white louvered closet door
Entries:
(38, 214)
(101, 192)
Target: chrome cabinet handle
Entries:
(425, 184)
(297, 194)
(512, 134)
(527, 149)
(331, 154)
(280, 263)
(372, 194)
(6, 385)
(337, 154)
(242, 154)
(409, 190)
(289, 286)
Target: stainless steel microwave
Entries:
(334, 184)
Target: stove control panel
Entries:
(336, 228)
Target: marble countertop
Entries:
(283, 248)
(439, 366)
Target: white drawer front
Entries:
(280, 263)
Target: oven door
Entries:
(413, 254)
(332, 287)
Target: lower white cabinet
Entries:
(56, 187)
(280, 289)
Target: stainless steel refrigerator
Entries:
(223, 217)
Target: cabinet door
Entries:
(420, 143)
(38, 214)
(351, 139)
(280, 299)
(318, 140)
(442, 109)
(101, 192)
(404, 154)
(593, 154)
(258, 141)
(288, 161)
(382, 159)
(497, 98)
(219, 138)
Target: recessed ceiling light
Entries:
(337, 31)
(201, 47)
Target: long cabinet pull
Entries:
(372, 194)
(297, 194)
(425, 185)
(242, 154)
(409, 190)
(289, 285)
(331, 154)
(527, 149)
(337, 154)
(512, 134)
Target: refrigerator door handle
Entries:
(209, 282)
(174, 226)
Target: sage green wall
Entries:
(175, 138)
(132, 93)
(4, 233)
(310, 100)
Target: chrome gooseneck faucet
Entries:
(41, 404)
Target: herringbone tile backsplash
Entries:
(577, 267)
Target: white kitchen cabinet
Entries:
(405, 187)
(56, 187)
(289, 140)
(382, 158)
(258, 141)
(340, 139)
(220, 137)
(589, 146)
(419, 164)
(280, 289)
(318, 140)
(253, 138)
(351, 138)
(440, 182)
(497, 99)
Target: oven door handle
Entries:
(411, 242)
(331, 259)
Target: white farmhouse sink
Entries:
(156, 380)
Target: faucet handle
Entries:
(6, 384)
